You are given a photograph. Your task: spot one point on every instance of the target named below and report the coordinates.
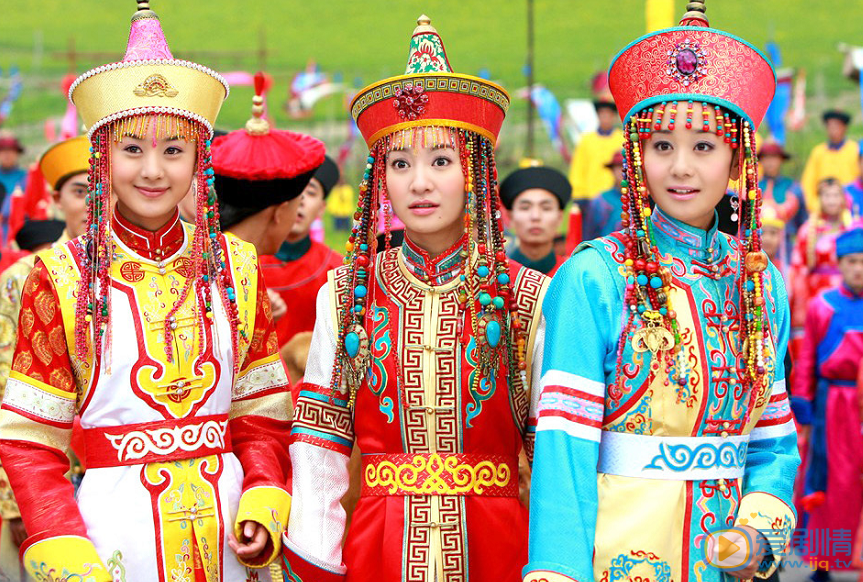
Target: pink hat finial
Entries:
(146, 39)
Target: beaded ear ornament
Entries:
(484, 291)
(97, 247)
(651, 323)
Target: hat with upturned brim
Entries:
(429, 94)
(149, 80)
(693, 62)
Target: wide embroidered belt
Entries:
(672, 458)
(148, 442)
(440, 474)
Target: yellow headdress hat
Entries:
(65, 159)
(148, 80)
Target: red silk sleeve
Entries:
(262, 409)
(37, 414)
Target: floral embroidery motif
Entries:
(35, 402)
(410, 101)
(270, 375)
(427, 55)
(116, 568)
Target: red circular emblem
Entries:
(131, 272)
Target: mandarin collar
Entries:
(543, 265)
(292, 251)
(433, 271)
(153, 245)
(849, 293)
(697, 243)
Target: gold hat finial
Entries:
(144, 11)
(257, 125)
(695, 14)
(424, 25)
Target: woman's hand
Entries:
(278, 307)
(255, 537)
(759, 549)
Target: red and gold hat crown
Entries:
(429, 94)
(693, 62)
(148, 80)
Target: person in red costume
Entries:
(299, 269)
(158, 334)
(423, 355)
(825, 402)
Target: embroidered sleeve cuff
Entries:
(66, 557)
(270, 507)
(774, 519)
(299, 567)
(546, 576)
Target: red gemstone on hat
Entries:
(687, 61)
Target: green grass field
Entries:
(365, 41)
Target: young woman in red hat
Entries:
(664, 419)
(422, 355)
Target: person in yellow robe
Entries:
(588, 173)
(65, 168)
(836, 158)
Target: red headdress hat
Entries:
(429, 94)
(655, 80)
(428, 106)
(693, 62)
(257, 167)
(148, 93)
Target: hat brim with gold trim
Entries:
(148, 80)
(65, 159)
(429, 94)
(693, 62)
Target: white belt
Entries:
(672, 458)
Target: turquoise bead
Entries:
(642, 308)
(484, 298)
(360, 291)
(663, 311)
(503, 279)
(498, 302)
(492, 333)
(656, 282)
(642, 280)
(750, 285)
(352, 344)
(482, 271)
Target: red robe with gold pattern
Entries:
(297, 281)
(439, 499)
(177, 450)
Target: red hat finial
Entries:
(259, 83)
(695, 15)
